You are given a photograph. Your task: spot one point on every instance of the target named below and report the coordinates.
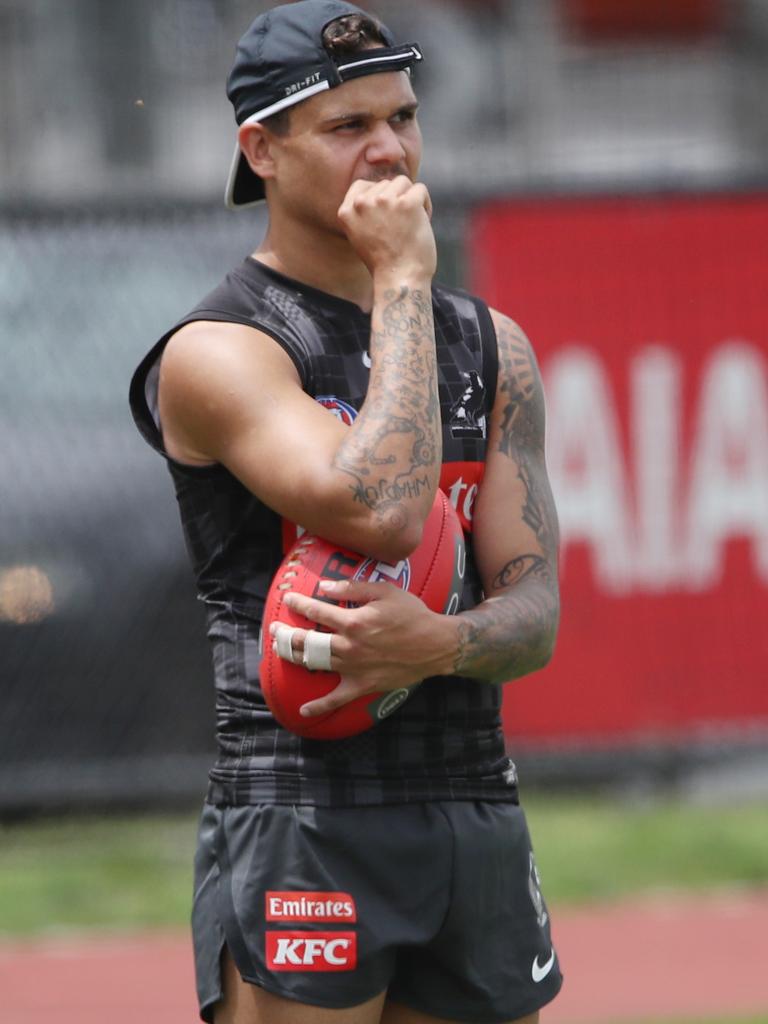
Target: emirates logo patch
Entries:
(327, 907)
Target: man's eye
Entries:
(404, 116)
(348, 126)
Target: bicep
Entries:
(515, 527)
(231, 395)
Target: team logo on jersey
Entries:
(534, 888)
(331, 907)
(372, 571)
(341, 410)
(467, 416)
(311, 951)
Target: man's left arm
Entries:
(512, 632)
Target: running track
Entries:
(664, 956)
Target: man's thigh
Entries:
(244, 1003)
(492, 958)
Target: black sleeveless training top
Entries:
(445, 742)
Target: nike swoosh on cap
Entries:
(539, 973)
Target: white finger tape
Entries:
(284, 638)
(317, 651)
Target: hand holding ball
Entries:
(433, 572)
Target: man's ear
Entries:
(256, 144)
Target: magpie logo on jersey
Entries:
(467, 416)
(311, 951)
(534, 888)
(341, 410)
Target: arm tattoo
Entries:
(393, 450)
(521, 435)
(512, 632)
(519, 568)
(510, 635)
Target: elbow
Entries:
(392, 532)
(391, 545)
(387, 540)
(404, 542)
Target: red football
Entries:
(434, 572)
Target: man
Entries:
(326, 382)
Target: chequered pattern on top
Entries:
(445, 742)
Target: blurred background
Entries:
(600, 172)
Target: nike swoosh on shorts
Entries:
(539, 973)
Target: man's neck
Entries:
(327, 263)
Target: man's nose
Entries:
(384, 145)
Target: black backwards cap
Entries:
(281, 61)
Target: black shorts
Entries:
(439, 903)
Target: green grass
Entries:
(95, 873)
(137, 872)
(592, 850)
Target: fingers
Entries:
(321, 612)
(313, 650)
(330, 615)
(345, 623)
(422, 193)
(317, 651)
(283, 641)
(346, 691)
(387, 223)
(362, 194)
(307, 647)
(354, 592)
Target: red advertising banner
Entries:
(650, 320)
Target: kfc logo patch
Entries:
(311, 951)
(330, 907)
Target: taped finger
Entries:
(317, 651)
(284, 642)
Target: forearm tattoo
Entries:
(510, 635)
(519, 568)
(512, 632)
(393, 450)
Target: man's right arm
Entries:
(230, 394)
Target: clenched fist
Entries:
(388, 225)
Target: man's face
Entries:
(365, 129)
